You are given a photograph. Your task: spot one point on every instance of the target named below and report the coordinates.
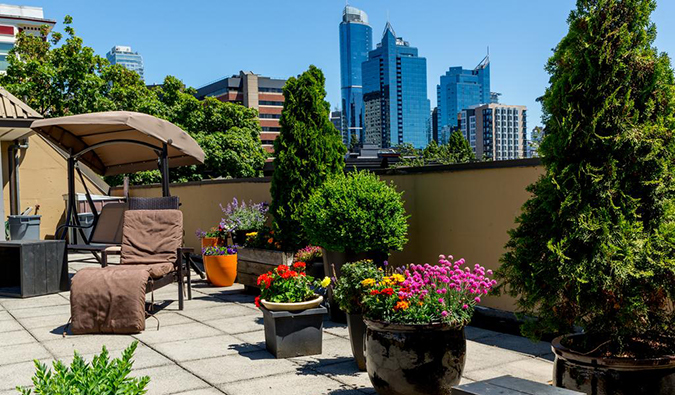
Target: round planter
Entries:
(221, 270)
(310, 304)
(239, 237)
(414, 359)
(615, 376)
(357, 332)
(211, 242)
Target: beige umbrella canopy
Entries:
(119, 142)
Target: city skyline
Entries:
(306, 32)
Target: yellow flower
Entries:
(399, 278)
(252, 234)
(388, 281)
(325, 282)
(369, 282)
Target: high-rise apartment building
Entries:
(15, 19)
(253, 91)
(460, 89)
(126, 57)
(434, 124)
(495, 131)
(397, 109)
(356, 40)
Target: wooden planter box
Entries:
(252, 262)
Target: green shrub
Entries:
(356, 213)
(348, 289)
(100, 377)
(595, 245)
(307, 151)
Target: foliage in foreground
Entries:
(59, 77)
(348, 290)
(308, 151)
(595, 245)
(100, 377)
(356, 213)
(457, 150)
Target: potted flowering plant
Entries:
(313, 257)
(260, 255)
(241, 218)
(220, 265)
(292, 314)
(418, 315)
(348, 291)
(212, 237)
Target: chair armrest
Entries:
(186, 250)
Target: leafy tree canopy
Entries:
(457, 150)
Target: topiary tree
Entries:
(308, 151)
(595, 245)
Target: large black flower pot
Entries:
(357, 333)
(332, 265)
(294, 333)
(414, 359)
(611, 376)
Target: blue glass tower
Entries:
(356, 40)
(124, 56)
(397, 109)
(460, 89)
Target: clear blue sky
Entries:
(200, 41)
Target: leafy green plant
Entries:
(308, 151)
(100, 377)
(356, 213)
(348, 289)
(595, 245)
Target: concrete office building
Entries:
(126, 57)
(253, 91)
(495, 131)
(15, 19)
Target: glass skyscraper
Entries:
(460, 89)
(123, 55)
(356, 40)
(397, 109)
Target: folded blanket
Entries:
(108, 300)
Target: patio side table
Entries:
(33, 267)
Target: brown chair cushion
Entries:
(151, 236)
(154, 270)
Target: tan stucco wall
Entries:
(466, 213)
(42, 180)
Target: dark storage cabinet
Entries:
(33, 267)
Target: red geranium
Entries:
(387, 291)
(299, 266)
(374, 292)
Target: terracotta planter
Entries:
(253, 262)
(211, 242)
(357, 333)
(221, 270)
(297, 306)
(615, 376)
(414, 359)
(337, 260)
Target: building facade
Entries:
(356, 40)
(397, 109)
(336, 120)
(253, 91)
(460, 89)
(126, 57)
(495, 131)
(15, 19)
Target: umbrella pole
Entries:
(164, 169)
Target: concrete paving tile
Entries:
(4, 315)
(37, 301)
(87, 344)
(9, 326)
(167, 319)
(144, 357)
(336, 329)
(48, 333)
(220, 311)
(480, 356)
(473, 333)
(22, 353)
(41, 311)
(205, 391)
(530, 369)
(203, 286)
(518, 344)
(52, 321)
(171, 333)
(235, 325)
(256, 338)
(16, 337)
(333, 350)
(238, 367)
(169, 379)
(289, 384)
(348, 373)
(206, 347)
(238, 297)
(16, 374)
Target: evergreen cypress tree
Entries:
(308, 151)
(595, 245)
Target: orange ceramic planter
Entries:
(221, 270)
(211, 242)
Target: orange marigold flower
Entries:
(402, 305)
(270, 240)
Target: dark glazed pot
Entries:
(611, 376)
(414, 359)
(357, 333)
(338, 259)
(239, 237)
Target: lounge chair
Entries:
(112, 299)
(106, 235)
